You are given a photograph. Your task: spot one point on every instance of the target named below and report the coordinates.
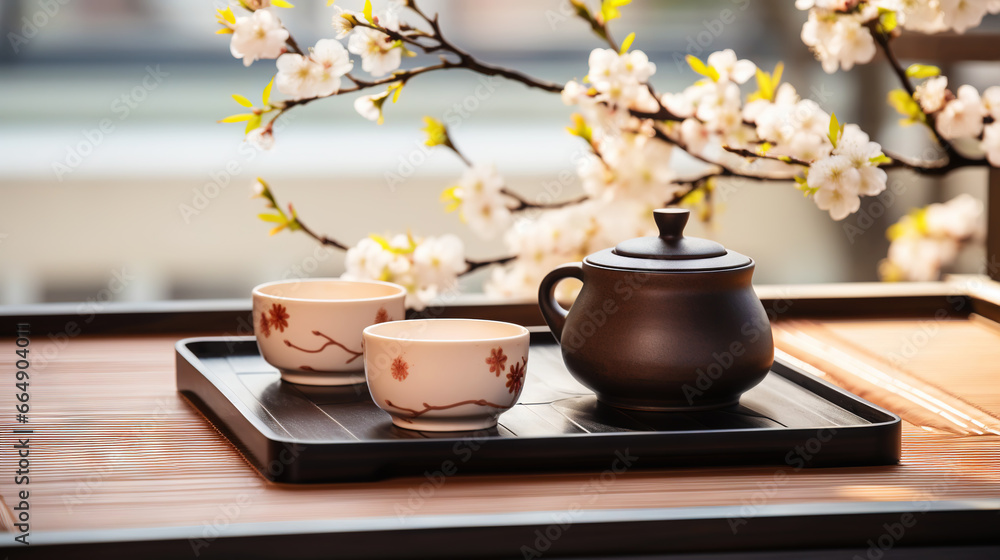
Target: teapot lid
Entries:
(670, 251)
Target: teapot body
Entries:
(651, 340)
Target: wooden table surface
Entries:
(116, 447)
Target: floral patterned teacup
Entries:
(445, 375)
(311, 329)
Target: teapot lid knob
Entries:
(671, 221)
(671, 243)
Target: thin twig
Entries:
(321, 238)
(293, 46)
(476, 265)
(524, 204)
(749, 154)
(882, 39)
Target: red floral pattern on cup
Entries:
(274, 318)
(382, 316)
(497, 360)
(278, 317)
(515, 379)
(400, 369)
(265, 325)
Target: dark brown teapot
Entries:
(663, 323)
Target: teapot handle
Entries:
(552, 312)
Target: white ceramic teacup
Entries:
(310, 329)
(445, 374)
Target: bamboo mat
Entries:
(115, 446)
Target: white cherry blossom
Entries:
(298, 76)
(482, 206)
(379, 53)
(573, 93)
(855, 145)
(961, 15)
(370, 106)
(426, 267)
(694, 135)
(991, 101)
(619, 78)
(729, 68)
(963, 116)
(341, 24)
(256, 36)
(367, 261)
(991, 143)
(925, 242)
(439, 260)
(261, 138)
(920, 15)
(839, 40)
(932, 94)
(837, 182)
(334, 63)
(958, 218)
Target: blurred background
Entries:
(117, 182)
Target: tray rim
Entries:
(890, 419)
(259, 443)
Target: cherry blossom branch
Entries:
(936, 167)
(321, 238)
(293, 46)
(883, 41)
(359, 84)
(724, 170)
(475, 265)
(749, 154)
(465, 60)
(331, 242)
(522, 203)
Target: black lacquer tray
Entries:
(300, 434)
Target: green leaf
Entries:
(802, 184)
(921, 71)
(253, 123)
(266, 97)
(887, 20)
(627, 43)
(779, 69)
(395, 89)
(835, 130)
(767, 84)
(227, 15)
(242, 100)
(880, 159)
(610, 11)
(272, 218)
(437, 133)
(580, 128)
(701, 68)
(240, 117)
(451, 199)
(368, 12)
(905, 105)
